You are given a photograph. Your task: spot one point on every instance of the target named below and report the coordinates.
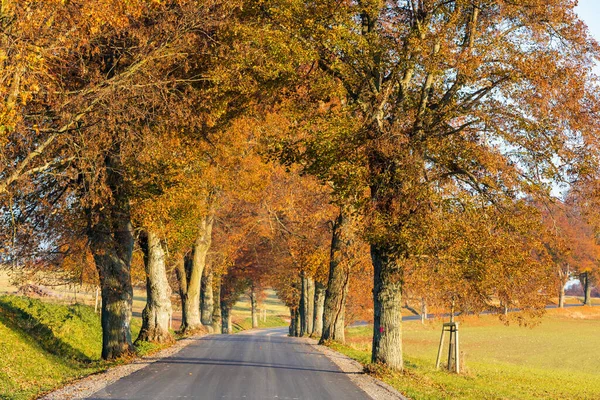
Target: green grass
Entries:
(271, 302)
(276, 310)
(557, 359)
(273, 321)
(45, 345)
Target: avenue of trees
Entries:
(354, 155)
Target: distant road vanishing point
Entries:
(259, 364)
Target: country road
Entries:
(261, 364)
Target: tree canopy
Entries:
(413, 143)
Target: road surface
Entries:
(263, 364)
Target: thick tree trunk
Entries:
(254, 306)
(117, 297)
(307, 305)
(387, 299)
(157, 313)
(320, 290)
(207, 302)
(226, 320)
(337, 286)
(191, 273)
(110, 234)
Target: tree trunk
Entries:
(387, 300)
(292, 327)
(254, 306)
(337, 286)
(319, 308)
(111, 239)
(561, 297)
(307, 305)
(206, 298)
(423, 310)
(301, 312)
(309, 313)
(226, 320)
(216, 316)
(297, 329)
(563, 277)
(584, 278)
(157, 313)
(190, 272)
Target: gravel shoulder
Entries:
(89, 385)
(375, 388)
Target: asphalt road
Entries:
(263, 364)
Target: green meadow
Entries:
(556, 359)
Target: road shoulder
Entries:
(375, 388)
(89, 385)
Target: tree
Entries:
(120, 79)
(584, 253)
(435, 100)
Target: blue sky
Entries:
(589, 12)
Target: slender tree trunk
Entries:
(216, 316)
(423, 310)
(584, 278)
(157, 313)
(310, 305)
(181, 266)
(320, 290)
(563, 277)
(387, 299)
(292, 328)
(254, 306)
(302, 306)
(96, 300)
(297, 330)
(111, 239)
(207, 298)
(337, 286)
(191, 272)
(561, 296)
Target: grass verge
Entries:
(46, 345)
(555, 360)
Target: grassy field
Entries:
(558, 359)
